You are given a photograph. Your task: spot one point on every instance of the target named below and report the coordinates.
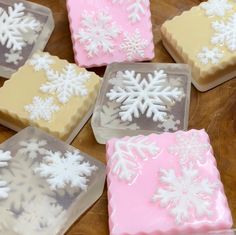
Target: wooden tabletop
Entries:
(214, 110)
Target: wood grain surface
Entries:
(214, 110)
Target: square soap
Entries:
(106, 31)
(142, 99)
(45, 184)
(167, 183)
(25, 28)
(51, 94)
(204, 38)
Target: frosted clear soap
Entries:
(45, 184)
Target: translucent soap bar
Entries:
(45, 184)
(25, 28)
(142, 99)
(168, 184)
(204, 38)
(51, 94)
(222, 232)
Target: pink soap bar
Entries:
(165, 184)
(107, 31)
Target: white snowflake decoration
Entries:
(124, 162)
(4, 190)
(189, 148)
(170, 124)
(36, 219)
(207, 55)
(97, 33)
(4, 158)
(65, 170)
(13, 57)
(41, 108)
(225, 33)
(41, 62)
(134, 46)
(150, 95)
(32, 148)
(216, 7)
(13, 25)
(67, 84)
(184, 194)
(136, 9)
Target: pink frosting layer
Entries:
(132, 209)
(119, 13)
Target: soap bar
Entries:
(204, 37)
(107, 31)
(142, 99)
(167, 183)
(45, 184)
(25, 28)
(51, 94)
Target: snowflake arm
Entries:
(124, 162)
(185, 193)
(225, 33)
(13, 25)
(97, 33)
(67, 84)
(4, 190)
(137, 9)
(4, 158)
(41, 108)
(216, 7)
(69, 169)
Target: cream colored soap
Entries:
(51, 94)
(205, 38)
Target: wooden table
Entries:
(214, 110)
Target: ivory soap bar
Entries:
(168, 184)
(51, 94)
(204, 38)
(25, 28)
(45, 184)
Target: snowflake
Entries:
(124, 159)
(170, 124)
(136, 8)
(41, 108)
(144, 95)
(216, 7)
(210, 55)
(23, 184)
(184, 194)
(110, 118)
(13, 25)
(4, 158)
(4, 190)
(134, 45)
(40, 215)
(13, 57)
(189, 148)
(32, 148)
(97, 33)
(41, 62)
(61, 171)
(225, 33)
(66, 84)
